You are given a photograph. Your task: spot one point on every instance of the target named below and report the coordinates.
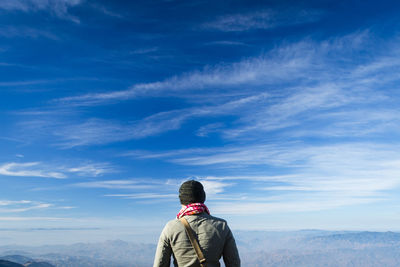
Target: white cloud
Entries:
(305, 63)
(313, 177)
(92, 169)
(97, 131)
(293, 91)
(229, 155)
(29, 219)
(213, 188)
(93, 131)
(246, 208)
(106, 11)
(228, 43)
(142, 51)
(282, 64)
(267, 19)
(25, 32)
(7, 206)
(314, 111)
(356, 123)
(39, 169)
(33, 169)
(150, 196)
(155, 190)
(58, 8)
(11, 202)
(293, 154)
(209, 128)
(115, 184)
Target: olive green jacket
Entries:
(214, 237)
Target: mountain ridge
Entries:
(257, 248)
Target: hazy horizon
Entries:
(32, 237)
(256, 248)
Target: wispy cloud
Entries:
(305, 191)
(23, 219)
(282, 64)
(106, 11)
(293, 154)
(26, 32)
(150, 196)
(267, 19)
(7, 206)
(10, 202)
(142, 51)
(299, 63)
(91, 169)
(209, 128)
(315, 101)
(312, 177)
(154, 190)
(29, 169)
(227, 43)
(144, 190)
(58, 8)
(321, 204)
(38, 169)
(213, 187)
(116, 184)
(97, 131)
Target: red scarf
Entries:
(193, 208)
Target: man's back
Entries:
(214, 237)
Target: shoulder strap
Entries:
(194, 242)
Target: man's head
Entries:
(191, 192)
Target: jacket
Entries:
(214, 237)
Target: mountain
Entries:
(315, 248)
(362, 238)
(115, 253)
(4, 263)
(309, 248)
(17, 258)
(38, 264)
(24, 261)
(62, 260)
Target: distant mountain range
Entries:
(6, 263)
(115, 253)
(17, 258)
(310, 248)
(362, 237)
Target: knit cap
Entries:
(191, 192)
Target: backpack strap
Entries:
(194, 242)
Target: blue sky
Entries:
(287, 111)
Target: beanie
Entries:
(191, 192)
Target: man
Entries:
(213, 234)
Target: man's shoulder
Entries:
(215, 219)
(219, 223)
(208, 219)
(172, 225)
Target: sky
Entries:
(287, 111)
